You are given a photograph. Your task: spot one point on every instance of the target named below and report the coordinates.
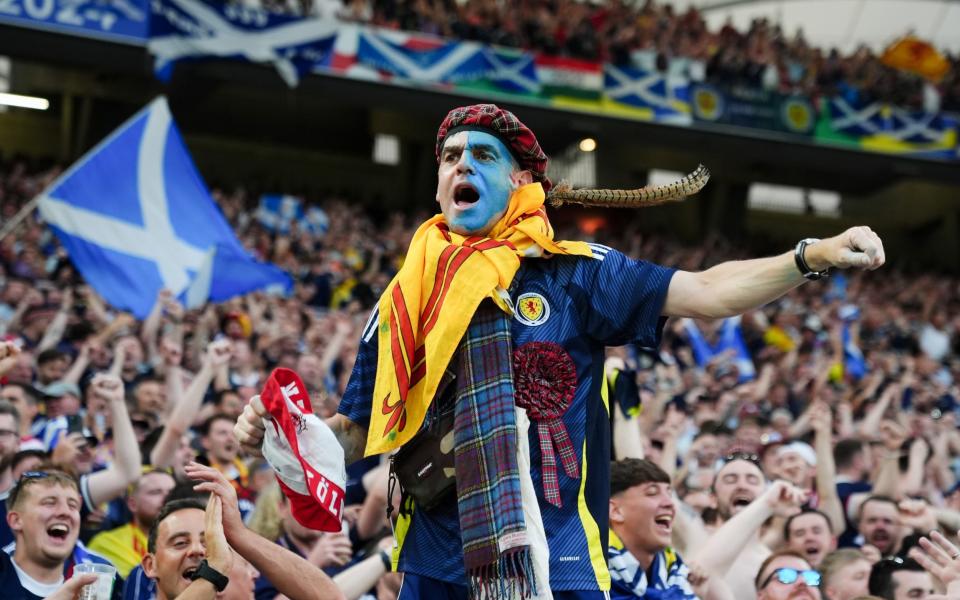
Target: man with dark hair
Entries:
(187, 553)
(149, 396)
(126, 545)
(787, 575)
(879, 523)
(221, 450)
(900, 579)
(9, 436)
(641, 522)
(51, 366)
(26, 401)
(810, 534)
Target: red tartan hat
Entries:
(505, 125)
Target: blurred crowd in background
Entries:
(849, 389)
(654, 36)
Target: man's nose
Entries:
(198, 549)
(465, 164)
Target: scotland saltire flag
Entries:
(513, 71)
(421, 58)
(667, 97)
(135, 217)
(730, 338)
(193, 29)
(876, 119)
(277, 213)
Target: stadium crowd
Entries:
(653, 35)
(816, 458)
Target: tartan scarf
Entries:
(426, 309)
(496, 551)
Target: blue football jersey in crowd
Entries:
(582, 304)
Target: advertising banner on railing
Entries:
(753, 107)
(117, 20)
(885, 128)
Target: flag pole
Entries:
(10, 225)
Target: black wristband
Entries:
(205, 571)
(387, 561)
(800, 260)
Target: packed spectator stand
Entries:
(187, 374)
(654, 36)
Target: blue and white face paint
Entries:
(476, 177)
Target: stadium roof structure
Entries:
(843, 24)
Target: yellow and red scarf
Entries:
(426, 309)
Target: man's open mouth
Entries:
(58, 531)
(465, 193)
(812, 551)
(741, 500)
(190, 573)
(664, 522)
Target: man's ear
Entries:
(616, 515)
(521, 178)
(14, 521)
(149, 564)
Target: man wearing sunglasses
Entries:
(787, 575)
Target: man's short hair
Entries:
(630, 472)
(881, 575)
(23, 455)
(30, 393)
(205, 427)
(875, 498)
(806, 511)
(50, 356)
(219, 395)
(779, 554)
(845, 451)
(834, 562)
(168, 509)
(40, 476)
(7, 408)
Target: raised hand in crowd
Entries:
(292, 575)
(249, 428)
(941, 558)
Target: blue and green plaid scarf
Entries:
(496, 551)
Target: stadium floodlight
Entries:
(588, 145)
(24, 101)
(386, 149)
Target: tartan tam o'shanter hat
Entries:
(503, 124)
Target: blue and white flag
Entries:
(730, 338)
(854, 363)
(135, 217)
(276, 212)
(514, 71)
(192, 29)
(421, 58)
(667, 96)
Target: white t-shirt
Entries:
(32, 585)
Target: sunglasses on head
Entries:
(786, 576)
(25, 476)
(747, 456)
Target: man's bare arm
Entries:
(734, 287)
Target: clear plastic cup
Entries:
(102, 588)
